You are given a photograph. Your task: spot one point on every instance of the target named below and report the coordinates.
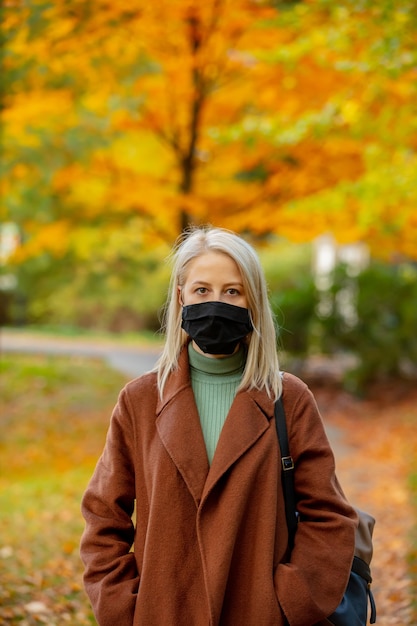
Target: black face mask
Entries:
(216, 327)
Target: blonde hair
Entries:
(262, 367)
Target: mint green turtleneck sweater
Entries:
(214, 382)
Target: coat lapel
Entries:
(179, 429)
(248, 419)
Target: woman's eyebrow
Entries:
(231, 284)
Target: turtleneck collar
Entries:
(226, 365)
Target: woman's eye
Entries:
(233, 292)
(201, 290)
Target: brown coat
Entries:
(210, 542)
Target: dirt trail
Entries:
(373, 466)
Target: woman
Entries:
(194, 445)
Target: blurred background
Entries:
(293, 123)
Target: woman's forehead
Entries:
(212, 265)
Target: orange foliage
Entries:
(232, 112)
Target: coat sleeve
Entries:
(311, 585)
(111, 578)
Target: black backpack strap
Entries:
(287, 466)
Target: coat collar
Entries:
(178, 425)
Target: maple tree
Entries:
(253, 115)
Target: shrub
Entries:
(383, 336)
(113, 290)
(292, 294)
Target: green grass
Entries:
(55, 413)
(140, 338)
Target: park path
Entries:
(371, 454)
(131, 360)
(379, 441)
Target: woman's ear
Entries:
(179, 292)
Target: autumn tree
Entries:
(225, 111)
